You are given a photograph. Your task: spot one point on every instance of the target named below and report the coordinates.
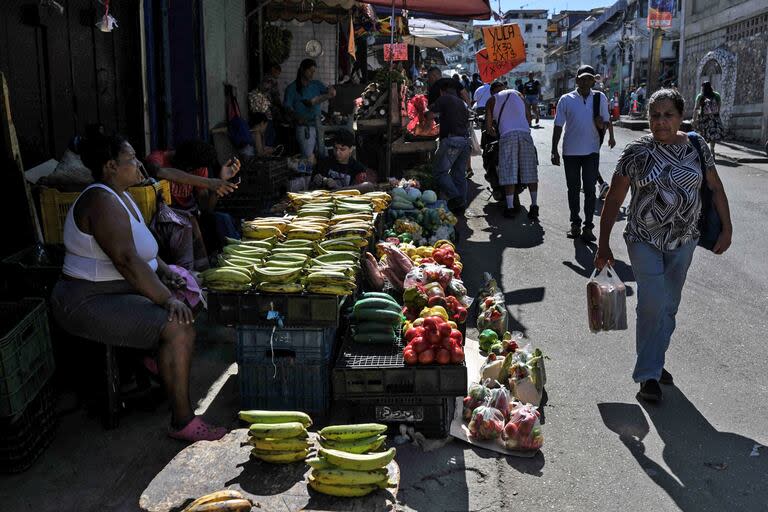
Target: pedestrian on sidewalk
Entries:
(518, 162)
(581, 147)
(452, 156)
(532, 91)
(706, 116)
(665, 172)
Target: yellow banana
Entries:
(349, 491)
(292, 444)
(319, 463)
(271, 417)
(306, 234)
(280, 457)
(282, 275)
(232, 505)
(354, 431)
(227, 494)
(349, 477)
(348, 192)
(228, 274)
(365, 445)
(277, 430)
(358, 462)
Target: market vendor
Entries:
(116, 290)
(302, 99)
(341, 170)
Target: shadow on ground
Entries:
(438, 482)
(708, 470)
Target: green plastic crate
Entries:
(26, 355)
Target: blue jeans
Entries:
(660, 277)
(450, 166)
(581, 173)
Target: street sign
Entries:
(660, 13)
(489, 71)
(395, 52)
(504, 43)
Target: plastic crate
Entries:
(54, 206)
(26, 355)
(257, 345)
(430, 415)
(297, 310)
(24, 274)
(365, 370)
(25, 437)
(286, 385)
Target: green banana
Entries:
(319, 463)
(277, 430)
(290, 444)
(347, 491)
(272, 417)
(365, 445)
(358, 462)
(280, 457)
(354, 431)
(349, 477)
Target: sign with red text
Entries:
(489, 71)
(504, 43)
(395, 52)
(660, 13)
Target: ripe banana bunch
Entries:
(279, 437)
(358, 474)
(220, 501)
(301, 198)
(227, 279)
(379, 200)
(264, 228)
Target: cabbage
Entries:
(429, 196)
(413, 193)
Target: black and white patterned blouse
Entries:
(666, 181)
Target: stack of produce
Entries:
(236, 264)
(415, 217)
(521, 369)
(433, 340)
(228, 500)
(348, 463)
(493, 310)
(264, 228)
(279, 437)
(333, 273)
(376, 318)
(379, 201)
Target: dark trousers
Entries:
(581, 173)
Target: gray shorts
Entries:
(518, 161)
(109, 312)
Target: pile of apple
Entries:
(434, 341)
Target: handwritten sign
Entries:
(504, 43)
(395, 52)
(490, 71)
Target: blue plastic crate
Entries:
(257, 344)
(286, 385)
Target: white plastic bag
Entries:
(477, 150)
(606, 301)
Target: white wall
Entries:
(327, 63)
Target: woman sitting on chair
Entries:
(116, 290)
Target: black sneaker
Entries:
(575, 231)
(587, 235)
(533, 213)
(650, 391)
(666, 378)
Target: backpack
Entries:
(710, 224)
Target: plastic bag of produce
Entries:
(526, 375)
(493, 315)
(476, 397)
(606, 301)
(500, 400)
(523, 430)
(487, 422)
(428, 273)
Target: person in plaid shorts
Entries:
(509, 116)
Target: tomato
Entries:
(427, 357)
(409, 356)
(413, 332)
(488, 302)
(432, 337)
(446, 343)
(431, 323)
(443, 356)
(457, 355)
(456, 335)
(419, 344)
(444, 329)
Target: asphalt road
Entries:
(604, 450)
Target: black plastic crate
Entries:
(24, 437)
(27, 273)
(363, 370)
(262, 345)
(430, 415)
(286, 384)
(297, 310)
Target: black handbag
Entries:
(596, 115)
(710, 225)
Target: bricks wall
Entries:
(327, 63)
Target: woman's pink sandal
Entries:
(198, 430)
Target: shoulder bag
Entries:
(596, 115)
(710, 224)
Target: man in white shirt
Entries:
(481, 96)
(581, 147)
(518, 162)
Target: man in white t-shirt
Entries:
(581, 147)
(481, 96)
(518, 162)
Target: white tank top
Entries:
(513, 118)
(84, 258)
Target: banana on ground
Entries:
(214, 497)
(353, 431)
(365, 445)
(277, 430)
(348, 491)
(349, 477)
(272, 417)
(280, 457)
(358, 462)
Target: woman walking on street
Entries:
(664, 171)
(706, 116)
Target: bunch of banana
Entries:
(333, 273)
(341, 218)
(228, 500)
(379, 200)
(264, 227)
(301, 198)
(227, 279)
(353, 205)
(311, 227)
(279, 437)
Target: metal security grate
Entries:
(359, 355)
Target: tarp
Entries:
(432, 34)
(475, 9)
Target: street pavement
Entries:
(604, 450)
